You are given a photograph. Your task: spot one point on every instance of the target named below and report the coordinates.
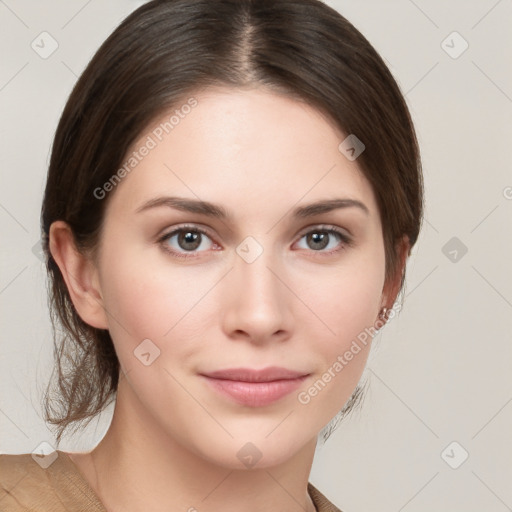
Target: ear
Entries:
(80, 275)
(392, 287)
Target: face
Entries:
(199, 298)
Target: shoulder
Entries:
(17, 480)
(322, 504)
(30, 482)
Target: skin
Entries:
(173, 440)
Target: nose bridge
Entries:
(252, 268)
(257, 306)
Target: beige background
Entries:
(440, 372)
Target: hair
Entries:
(158, 56)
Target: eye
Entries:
(327, 240)
(186, 239)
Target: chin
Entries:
(253, 452)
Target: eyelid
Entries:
(304, 231)
(183, 227)
(345, 234)
(346, 238)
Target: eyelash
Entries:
(346, 241)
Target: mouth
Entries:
(255, 388)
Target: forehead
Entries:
(240, 146)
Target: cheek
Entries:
(343, 363)
(148, 297)
(145, 300)
(345, 305)
(345, 300)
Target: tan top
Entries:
(26, 486)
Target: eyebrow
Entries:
(217, 211)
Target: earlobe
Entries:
(80, 275)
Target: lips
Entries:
(255, 388)
(249, 375)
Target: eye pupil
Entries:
(189, 240)
(320, 239)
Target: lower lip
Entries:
(255, 394)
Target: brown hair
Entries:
(168, 49)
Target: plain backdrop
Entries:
(440, 386)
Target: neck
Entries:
(137, 467)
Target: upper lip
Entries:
(252, 375)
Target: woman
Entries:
(233, 192)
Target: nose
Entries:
(256, 306)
